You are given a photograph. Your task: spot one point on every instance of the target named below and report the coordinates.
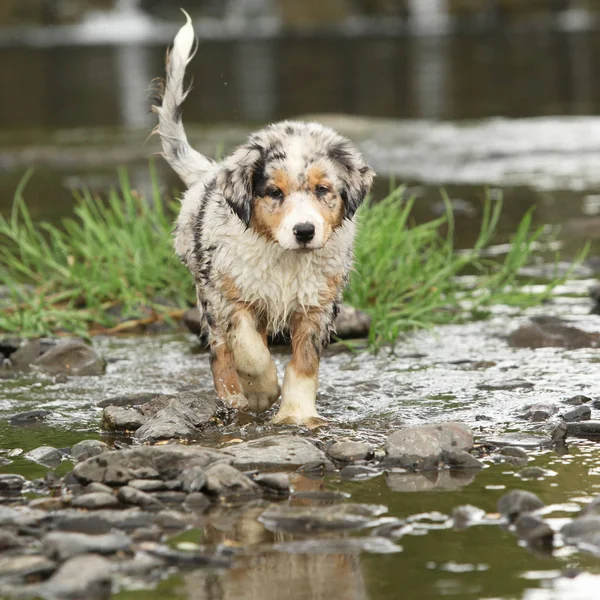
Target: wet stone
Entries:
(21, 517)
(532, 473)
(593, 508)
(185, 559)
(224, 480)
(425, 446)
(349, 452)
(64, 545)
(517, 502)
(71, 357)
(10, 541)
(95, 501)
(278, 483)
(147, 534)
(578, 400)
(308, 519)
(551, 332)
(584, 428)
(359, 472)
(276, 452)
(154, 485)
(515, 452)
(170, 497)
(196, 502)
(540, 412)
(128, 400)
(102, 521)
(30, 351)
(583, 531)
(581, 413)
(97, 487)
(515, 439)
(130, 495)
(535, 530)
(462, 460)
(28, 417)
(509, 384)
(11, 484)
(193, 479)
(426, 481)
(117, 418)
(464, 516)
(46, 456)
(87, 449)
(559, 433)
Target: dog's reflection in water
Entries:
(268, 575)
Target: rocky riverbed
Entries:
(464, 463)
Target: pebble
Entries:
(516, 502)
(509, 384)
(224, 480)
(532, 473)
(88, 448)
(349, 452)
(11, 484)
(535, 530)
(278, 483)
(581, 413)
(131, 495)
(46, 456)
(95, 500)
(578, 400)
(466, 515)
(28, 417)
(193, 479)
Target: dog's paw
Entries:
(262, 391)
(237, 401)
(313, 421)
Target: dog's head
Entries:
(295, 183)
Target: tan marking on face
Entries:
(267, 216)
(306, 342)
(330, 205)
(226, 380)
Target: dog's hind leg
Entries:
(255, 367)
(299, 396)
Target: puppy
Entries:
(267, 235)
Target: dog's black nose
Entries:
(304, 232)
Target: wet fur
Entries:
(237, 241)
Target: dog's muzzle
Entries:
(304, 232)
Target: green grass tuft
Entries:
(114, 261)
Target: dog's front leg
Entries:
(299, 396)
(255, 367)
(225, 376)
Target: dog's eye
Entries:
(321, 190)
(275, 193)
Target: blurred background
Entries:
(455, 93)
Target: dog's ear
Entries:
(356, 175)
(236, 179)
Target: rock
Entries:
(170, 497)
(224, 480)
(182, 417)
(578, 400)
(128, 400)
(534, 530)
(464, 516)
(146, 462)
(28, 417)
(46, 456)
(509, 384)
(196, 502)
(275, 452)
(516, 439)
(11, 484)
(532, 473)
(540, 412)
(425, 446)
(130, 495)
(88, 448)
(25, 566)
(462, 460)
(546, 332)
(278, 483)
(559, 433)
(147, 534)
(102, 521)
(593, 508)
(21, 517)
(30, 352)
(8, 346)
(318, 519)
(155, 485)
(95, 500)
(581, 413)
(517, 502)
(584, 532)
(187, 558)
(71, 357)
(359, 472)
(61, 545)
(193, 479)
(117, 418)
(349, 452)
(10, 541)
(97, 487)
(48, 503)
(584, 428)
(87, 576)
(352, 323)
(514, 451)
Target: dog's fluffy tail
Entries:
(189, 164)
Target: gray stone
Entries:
(584, 428)
(515, 452)
(30, 352)
(101, 521)
(146, 462)
(279, 483)
(88, 448)
(349, 452)
(61, 545)
(534, 530)
(21, 517)
(28, 417)
(155, 485)
(559, 433)
(517, 502)
(71, 357)
(95, 501)
(578, 400)
(425, 446)
(9, 541)
(509, 384)
(170, 496)
(128, 400)
(513, 461)
(182, 417)
(516, 439)
(540, 412)
(581, 413)
(130, 495)
(87, 576)
(583, 531)
(97, 487)
(317, 519)
(275, 452)
(352, 323)
(359, 472)
(593, 508)
(11, 484)
(25, 566)
(551, 332)
(193, 479)
(532, 473)
(196, 502)
(46, 456)
(224, 481)
(467, 515)
(462, 460)
(118, 418)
